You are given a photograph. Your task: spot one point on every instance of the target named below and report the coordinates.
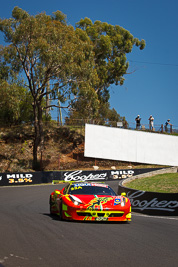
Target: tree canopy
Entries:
(110, 46)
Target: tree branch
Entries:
(56, 106)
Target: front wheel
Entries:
(60, 211)
(50, 206)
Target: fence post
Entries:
(59, 162)
(41, 161)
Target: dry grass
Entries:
(63, 150)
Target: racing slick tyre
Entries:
(60, 212)
(50, 204)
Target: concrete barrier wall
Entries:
(151, 173)
(131, 146)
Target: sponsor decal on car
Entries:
(97, 202)
(87, 218)
(90, 184)
(101, 219)
(117, 201)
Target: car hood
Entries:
(100, 199)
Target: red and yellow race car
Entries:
(89, 202)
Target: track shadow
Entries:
(52, 216)
(56, 218)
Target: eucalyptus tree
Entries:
(46, 49)
(111, 44)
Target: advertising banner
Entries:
(151, 203)
(103, 175)
(29, 178)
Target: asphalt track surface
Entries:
(30, 237)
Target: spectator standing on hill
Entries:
(138, 119)
(166, 126)
(151, 119)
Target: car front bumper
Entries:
(72, 213)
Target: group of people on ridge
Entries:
(151, 124)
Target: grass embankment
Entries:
(163, 183)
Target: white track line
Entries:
(157, 217)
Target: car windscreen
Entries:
(90, 190)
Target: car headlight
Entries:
(76, 203)
(123, 202)
(75, 200)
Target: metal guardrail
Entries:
(129, 125)
(80, 123)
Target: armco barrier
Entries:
(29, 178)
(151, 203)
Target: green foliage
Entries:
(15, 104)
(85, 111)
(45, 48)
(59, 16)
(110, 46)
(4, 68)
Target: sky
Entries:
(151, 88)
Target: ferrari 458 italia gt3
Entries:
(91, 202)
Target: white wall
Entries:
(130, 145)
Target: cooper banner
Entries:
(29, 178)
(152, 203)
(84, 176)
(102, 175)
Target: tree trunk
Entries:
(47, 100)
(38, 136)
